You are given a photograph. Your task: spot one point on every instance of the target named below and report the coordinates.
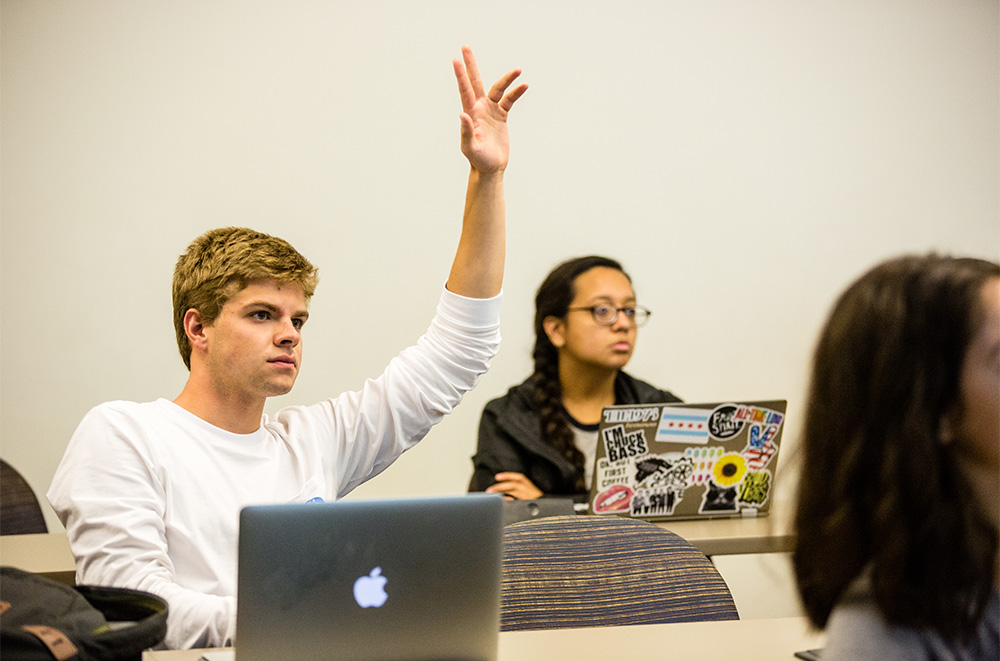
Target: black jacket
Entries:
(510, 438)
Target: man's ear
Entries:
(553, 327)
(194, 328)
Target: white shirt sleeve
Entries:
(363, 432)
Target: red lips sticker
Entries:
(616, 498)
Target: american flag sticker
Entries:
(760, 447)
(678, 425)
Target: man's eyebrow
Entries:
(271, 307)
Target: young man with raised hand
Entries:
(150, 493)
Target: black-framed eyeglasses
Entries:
(606, 315)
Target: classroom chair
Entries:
(20, 512)
(587, 571)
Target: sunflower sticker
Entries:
(729, 470)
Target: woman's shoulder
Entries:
(518, 397)
(858, 630)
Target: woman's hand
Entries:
(514, 486)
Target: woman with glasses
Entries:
(541, 437)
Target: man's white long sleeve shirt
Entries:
(150, 494)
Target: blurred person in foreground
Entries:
(899, 501)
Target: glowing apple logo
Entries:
(369, 591)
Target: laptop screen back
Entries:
(370, 580)
(686, 461)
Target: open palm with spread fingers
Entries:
(484, 116)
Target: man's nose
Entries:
(288, 334)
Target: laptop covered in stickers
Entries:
(687, 461)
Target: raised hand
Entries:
(484, 116)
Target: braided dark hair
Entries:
(553, 300)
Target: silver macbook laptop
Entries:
(687, 461)
(376, 580)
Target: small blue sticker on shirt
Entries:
(317, 499)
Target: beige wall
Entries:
(745, 159)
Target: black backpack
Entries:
(42, 620)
